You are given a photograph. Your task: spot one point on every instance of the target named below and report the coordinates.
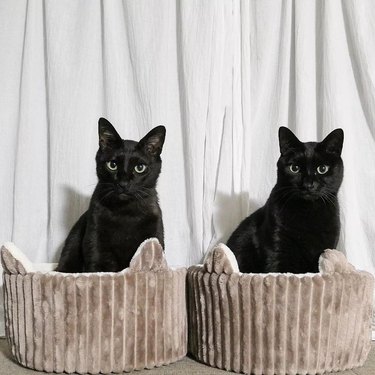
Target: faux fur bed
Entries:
(95, 322)
(279, 323)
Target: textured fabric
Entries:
(186, 366)
(14, 261)
(221, 75)
(99, 322)
(280, 323)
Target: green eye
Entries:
(140, 168)
(322, 169)
(294, 168)
(111, 165)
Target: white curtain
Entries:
(222, 76)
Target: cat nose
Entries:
(308, 183)
(123, 184)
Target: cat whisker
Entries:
(290, 194)
(139, 198)
(145, 191)
(323, 200)
(285, 194)
(106, 195)
(329, 198)
(283, 188)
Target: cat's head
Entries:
(311, 170)
(125, 168)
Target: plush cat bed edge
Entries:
(267, 323)
(221, 259)
(95, 322)
(14, 261)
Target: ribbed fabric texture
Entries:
(95, 323)
(279, 323)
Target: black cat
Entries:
(301, 217)
(124, 209)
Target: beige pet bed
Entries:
(279, 323)
(95, 322)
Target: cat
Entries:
(301, 216)
(123, 210)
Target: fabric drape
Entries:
(222, 76)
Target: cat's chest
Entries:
(122, 227)
(118, 221)
(307, 225)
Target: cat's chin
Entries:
(123, 197)
(309, 196)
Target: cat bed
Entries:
(279, 323)
(95, 322)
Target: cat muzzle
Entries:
(122, 187)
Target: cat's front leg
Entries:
(99, 261)
(91, 253)
(109, 265)
(71, 255)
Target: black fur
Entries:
(124, 209)
(301, 217)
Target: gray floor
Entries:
(185, 366)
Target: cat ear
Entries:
(153, 141)
(333, 142)
(287, 139)
(108, 136)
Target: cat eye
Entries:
(140, 168)
(322, 169)
(294, 168)
(111, 165)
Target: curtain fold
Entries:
(222, 76)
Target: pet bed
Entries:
(95, 322)
(279, 323)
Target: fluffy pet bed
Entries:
(95, 322)
(279, 323)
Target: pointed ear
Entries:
(108, 136)
(287, 139)
(153, 141)
(333, 142)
